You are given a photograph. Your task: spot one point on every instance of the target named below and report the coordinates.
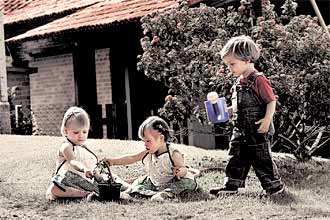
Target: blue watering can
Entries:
(216, 108)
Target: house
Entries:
(84, 52)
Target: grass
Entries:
(27, 163)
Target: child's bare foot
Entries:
(51, 198)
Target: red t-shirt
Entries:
(262, 88)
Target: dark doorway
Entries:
(85, 86)
(145, 96)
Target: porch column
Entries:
(4, 105)
(128, 104)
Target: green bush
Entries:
(181, 49)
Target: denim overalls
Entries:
(247, 146)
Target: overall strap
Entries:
(252, 78)
(68, 140)
(251, 81)
(63, 162)
(90, 151)
(85, 147)
(168, 151)
(236, 83)
(59, 167)
(144, 157)
(169, 154)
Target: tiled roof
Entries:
(99, 15)
(24, 10)
(7, 6)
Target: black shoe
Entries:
(275, 191)
(223, 190)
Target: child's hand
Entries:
(264, 125)
(88, 173)
(98, 176)
(180, 172)
(230, 110)
(107, 161)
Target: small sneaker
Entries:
(125, 196)
(275, 191)
(223, 190)
(162, 196)
(92, 197)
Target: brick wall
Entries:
(21, 80)
(5, 127)
(103, 80)
(52, 91)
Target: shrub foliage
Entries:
(181, 48)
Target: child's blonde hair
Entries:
(75, 115)
(242, 48)
(156, 123)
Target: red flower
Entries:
(272, 21)
(241, 8)
(221, 70)
(155, 40)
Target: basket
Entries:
(109, 190)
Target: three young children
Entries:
(253, 107)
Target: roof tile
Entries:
(98, 15)
(22, 10)
(8, 6)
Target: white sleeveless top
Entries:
(82, 155)
(159, 168)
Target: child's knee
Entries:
(188, 185)
(192, 186)
(54, 190)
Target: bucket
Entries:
(109, 191)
